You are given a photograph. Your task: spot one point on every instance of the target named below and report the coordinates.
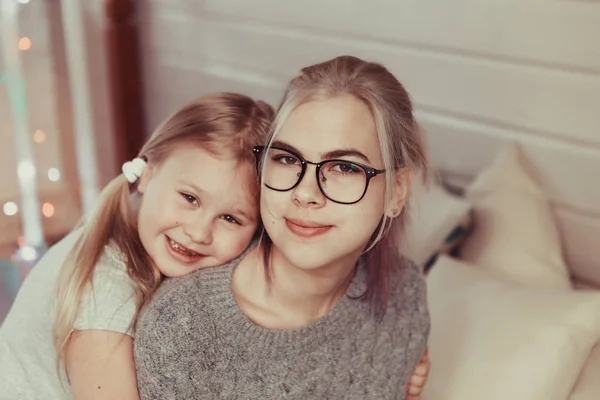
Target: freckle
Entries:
(98, 387)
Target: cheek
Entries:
(160, 210)
(231, 244)
(273, 204)
(362, 218)
(365, 220)
(376, 192)
(144, 212)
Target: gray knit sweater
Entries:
(194, 342)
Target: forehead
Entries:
(220, 178)
(321, 126)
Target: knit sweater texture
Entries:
(194, 342)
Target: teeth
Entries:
(181, 249)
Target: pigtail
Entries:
(112, 217)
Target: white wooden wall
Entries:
(481, 73)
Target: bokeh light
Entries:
(26, 170)
(10, 208)
(39, 136)
(28, 253)
(24, 43)
(54, 174)
(48, 210)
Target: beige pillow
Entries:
(514, 233)
(588, 384)
(493, 340)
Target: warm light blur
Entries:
(48, 210)
(39, 136)
(24, 43)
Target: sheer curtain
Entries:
(39, 181)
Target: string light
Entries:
(54, 174)
(10, 208)
(28, 253)
(26, 170)
(48, 210)
(24, 43)
(39, 136)
(29, 209)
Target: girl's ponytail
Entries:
(112, 217)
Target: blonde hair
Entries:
(225, 124)
(400, 141)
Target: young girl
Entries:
(323, 307)
(187, 202)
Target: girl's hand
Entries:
(414, 389)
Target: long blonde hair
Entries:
(400, 141)
(223, 124)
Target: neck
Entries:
(308, 294)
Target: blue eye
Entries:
(231, 219)
(190, 199)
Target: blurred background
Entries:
(83, 83)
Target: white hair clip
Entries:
(133, 169)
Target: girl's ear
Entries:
(144, 179)
(402, 183)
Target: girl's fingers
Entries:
(415, 391)
(417, 381)
(422, 369)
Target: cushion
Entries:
(437, 222)
(493, 339)
(588, 384)
(514, 233)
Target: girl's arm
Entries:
(100, 365)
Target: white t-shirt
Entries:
(27, 355)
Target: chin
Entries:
(303, 258)
(320, 255)
(173, 272)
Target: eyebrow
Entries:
(247, 216)
(325, 156)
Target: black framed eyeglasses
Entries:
(341, 181)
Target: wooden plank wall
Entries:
(482, 74)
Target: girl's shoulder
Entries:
(109, 303)
(112, 258)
